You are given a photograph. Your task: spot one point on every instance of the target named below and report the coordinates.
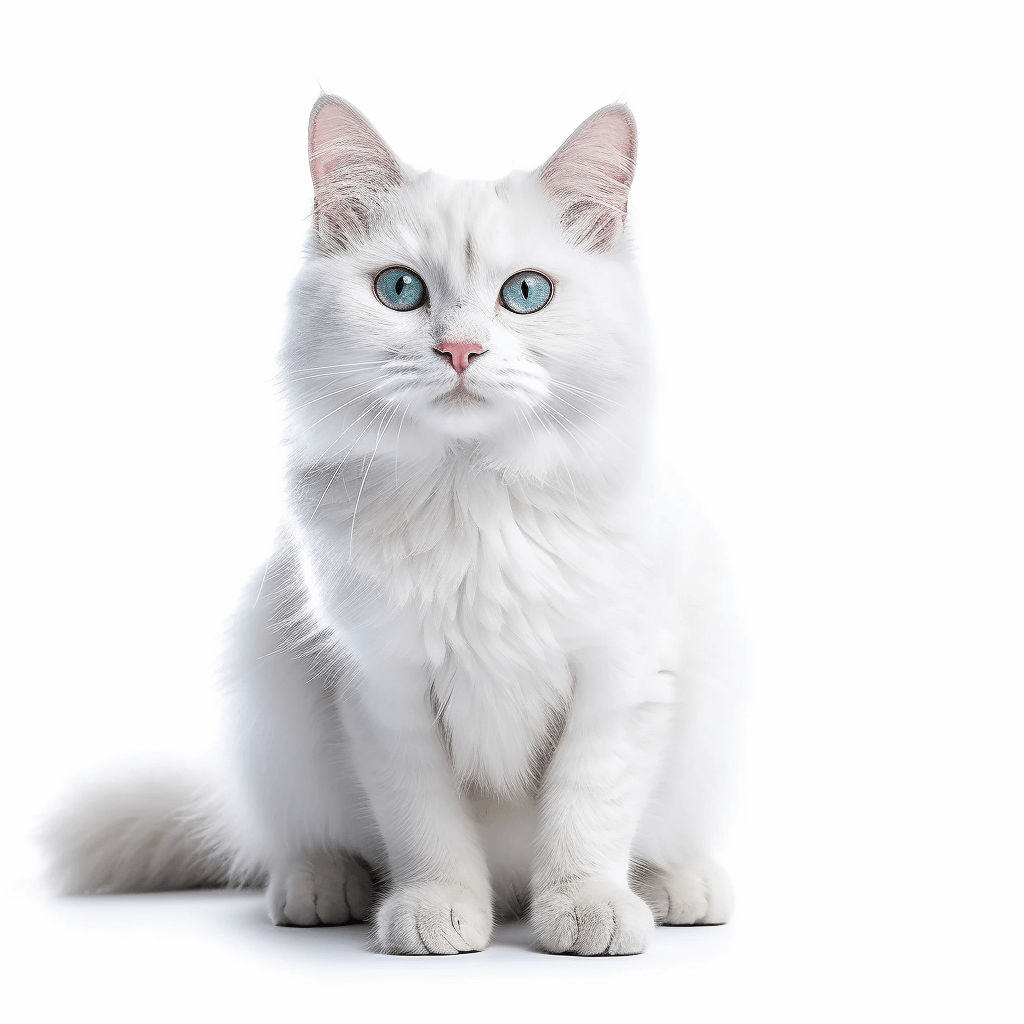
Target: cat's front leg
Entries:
(439, 896)
(592, 798)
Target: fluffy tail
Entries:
(150, 833)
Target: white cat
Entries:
(489, 667)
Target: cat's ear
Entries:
(589, 178)
(352, 167)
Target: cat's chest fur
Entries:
(486, 582)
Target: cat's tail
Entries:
(153, 831)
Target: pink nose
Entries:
(459, 353)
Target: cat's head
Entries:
(505, 314)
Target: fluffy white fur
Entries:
(489, 667)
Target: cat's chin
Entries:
(466, 421)
(465, 415)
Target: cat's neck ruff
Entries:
(417, 482)
(460, 526)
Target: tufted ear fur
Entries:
(589, 178)
(352, 169)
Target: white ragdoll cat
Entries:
(489, 668)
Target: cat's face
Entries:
(478, 311)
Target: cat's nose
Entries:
(459, 353)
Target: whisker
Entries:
(341, 391)
(355, 423)
(329, 383)
(286, 376)
(263, 582)
(540, 420)
(558, 398)
(583, 392)
(570, 427)
(568, 471)
(526, 419)
(336, 366)
(333, 373)
(339, 408)
(381, 403)
(380, 433)
(397, 439)
(338, 470)
(522, 422)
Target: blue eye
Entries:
(399, 288)
(526, 292)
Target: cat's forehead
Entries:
(467, 228)
(452, 205)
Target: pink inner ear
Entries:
(352, 170)
(331, 123)
(328, 122)
(338, 136)
(590, 175)
(606, 144)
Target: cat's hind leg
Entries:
(695, 892)
(674, 870)
(298, 801)
(323, 888)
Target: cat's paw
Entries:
(593, 919)
(433, 918)
(322, 889)
(687, 894)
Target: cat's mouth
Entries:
(459, 395)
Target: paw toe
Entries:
(593, 921)
(688, 894)
(435, 919)
(324, 889)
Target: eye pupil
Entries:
(525, 289)
(399, 285)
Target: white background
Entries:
(828, 211)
